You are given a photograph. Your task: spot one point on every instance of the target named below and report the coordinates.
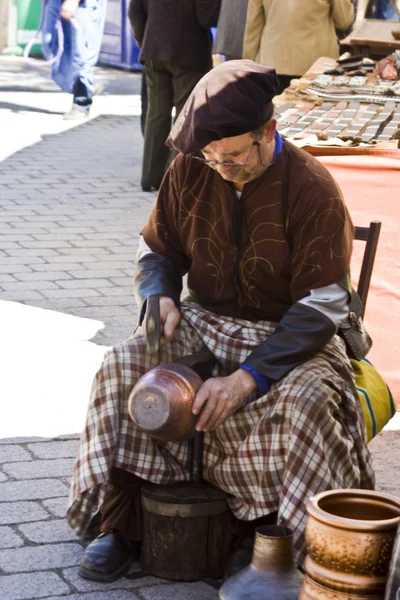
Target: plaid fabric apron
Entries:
(305, 436)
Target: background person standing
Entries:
(230, 29)
(291, 36)
(82, 24)
(378, 9)
(175, 44)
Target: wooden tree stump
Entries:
(187, 531)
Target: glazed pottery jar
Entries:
(161, 402)
(349, 536)
(272, 574)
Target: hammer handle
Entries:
(152, 324)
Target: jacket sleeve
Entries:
(342, 13)
(156, 275)
(162, 265)
(207, 12)
(302, 332)
(255, 23)
(137, 17)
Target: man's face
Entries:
(257, 154)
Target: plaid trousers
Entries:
(306, 435)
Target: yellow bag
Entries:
(376, 399)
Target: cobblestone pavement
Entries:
(71, 209)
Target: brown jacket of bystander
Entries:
(291, 36)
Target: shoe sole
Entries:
(95, 576)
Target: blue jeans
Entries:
(385, 10)
(73, 71)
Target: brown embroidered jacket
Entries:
(253, 257)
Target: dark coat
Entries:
(231, 24)
(176, 31)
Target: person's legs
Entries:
(143, 102)
(183, 82)
(110, 554)
(158, 123)
(114, 457)
(86, 36)
(121, 510)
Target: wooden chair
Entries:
(370, 235)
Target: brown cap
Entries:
(232, 99)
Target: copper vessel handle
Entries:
(152, 324)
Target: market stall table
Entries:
(356, 141)
(324, 109)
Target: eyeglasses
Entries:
(214, 163)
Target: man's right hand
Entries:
(169, 318)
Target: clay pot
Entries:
(161, 402)
(272, 574)
(349, 536)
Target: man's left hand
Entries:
(219, 397)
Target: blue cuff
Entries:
(263, 381)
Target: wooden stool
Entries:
(186, 531)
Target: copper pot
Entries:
(349, 537)
(161, 402)
(272, 574)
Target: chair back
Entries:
(370, 235)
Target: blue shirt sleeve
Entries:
(262, 381)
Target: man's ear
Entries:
(269, 130)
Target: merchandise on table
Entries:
(344, 104)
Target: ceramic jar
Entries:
(272, 574)
(349, 536)
(161, 402)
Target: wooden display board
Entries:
(373, 36)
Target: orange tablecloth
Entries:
(371, 188)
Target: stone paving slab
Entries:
(180, 591)
(9, 539)
(13, 453)
(24, 512)
(114, 595)
(139, 581)
(32, 490)
(57, 507)
(36, 469)
(42, 532)
(41, 558)
(53, 449)
(26, 586)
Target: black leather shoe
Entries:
(149, 188)
(108, 557)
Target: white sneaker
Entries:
(77, 112)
